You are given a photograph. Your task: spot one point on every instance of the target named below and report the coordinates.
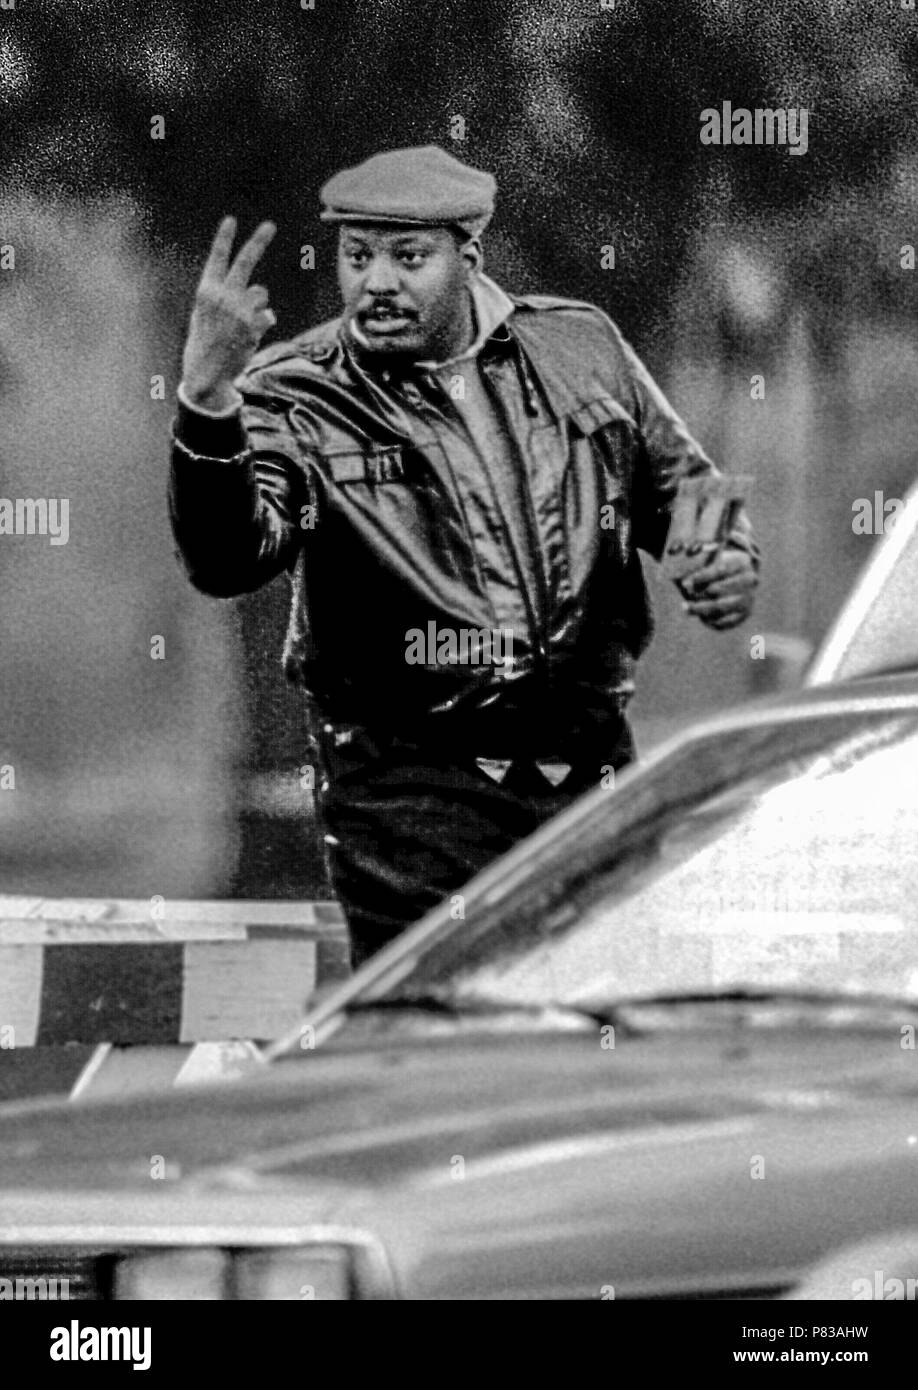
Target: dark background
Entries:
(180, 777)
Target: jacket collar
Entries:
(492, 307)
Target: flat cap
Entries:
(420, 187)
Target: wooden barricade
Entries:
(135, 993)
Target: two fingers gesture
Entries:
(230, 316)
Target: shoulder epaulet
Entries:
(317, 344)
(551, 301)
(320, 343)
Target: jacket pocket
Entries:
(606, 438)
(375, 465)
(595, 415)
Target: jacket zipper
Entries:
(541, 623)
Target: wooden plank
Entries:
(35, 931)
(210, 1062)
(119, 1071)
(125, 993)
(241, 989)
(33, 920)
(45, 932)
(21, 974)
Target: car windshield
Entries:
(779, 856)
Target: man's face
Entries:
(407, 288)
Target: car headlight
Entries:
(165, 1274)
(298, 1272)
(282, 1272)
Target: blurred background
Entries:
(179, 776)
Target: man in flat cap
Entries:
(456, 482)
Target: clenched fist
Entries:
(229, 319)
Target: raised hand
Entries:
(229, 318)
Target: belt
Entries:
(356, 742)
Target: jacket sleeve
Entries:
(667, 453)
(238, 494)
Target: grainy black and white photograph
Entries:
(459, 663)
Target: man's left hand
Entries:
(721, 594)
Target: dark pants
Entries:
(407, 827)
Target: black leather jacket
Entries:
(342, 475)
